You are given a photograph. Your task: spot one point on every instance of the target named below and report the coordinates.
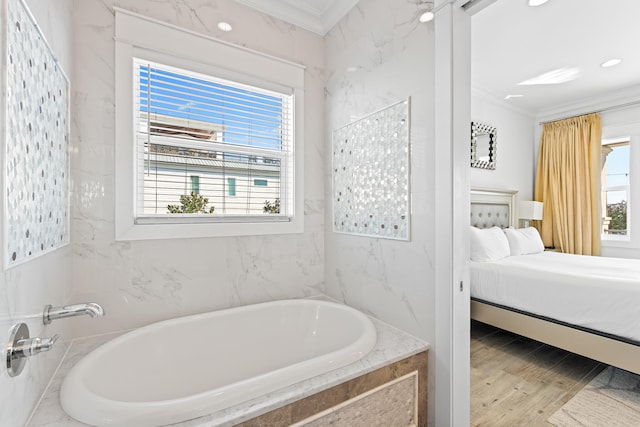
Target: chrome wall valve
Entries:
(20, 346)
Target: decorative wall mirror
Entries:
(483, 146)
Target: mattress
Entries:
(598, 293)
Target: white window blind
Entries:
(223, 135)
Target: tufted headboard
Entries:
(491, 208)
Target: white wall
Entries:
(516, 148)
(26, 288)
(392, 56)
(144, 281)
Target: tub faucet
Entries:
(52, 313)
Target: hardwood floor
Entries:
(516, 381)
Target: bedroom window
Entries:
(193, 133)
(615, 181)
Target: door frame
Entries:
(452, 139)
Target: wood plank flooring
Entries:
(516, 381)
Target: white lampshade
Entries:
(530, 210)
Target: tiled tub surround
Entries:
(395, 355)
(394, 395)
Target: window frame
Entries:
(617, 142)
(139, 36)
(612, 246)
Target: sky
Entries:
(248, 117)
(617, 172)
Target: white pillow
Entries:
(488, 244)
(524, 241)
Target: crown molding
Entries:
(630, 95)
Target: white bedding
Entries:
(594, 292)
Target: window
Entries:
(615, 181)
(231, 183)
(213, 129)
(195, 184)
(190, 122)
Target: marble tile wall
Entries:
(26, 288)
(377, 55)
(144, 281)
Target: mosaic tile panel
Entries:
(36, 141)
(371, 175)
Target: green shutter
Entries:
(195, 184)
(231, 184)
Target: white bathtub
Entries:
(188, 367)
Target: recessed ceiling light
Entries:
(611, 62)
(225, 26)
(513, 96)
(352, 69)
(535, 3)
(427, 17)
(553, 77)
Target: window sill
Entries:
(182, 219)
(154, 231)
(619, 243)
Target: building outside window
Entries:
(615, 181)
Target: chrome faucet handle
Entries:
(45, 344)
(33, 346)
(20, 346)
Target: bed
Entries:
(586, 305)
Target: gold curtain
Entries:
(568, 183)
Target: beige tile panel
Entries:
(334, 396)
(392, 404)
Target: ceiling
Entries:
(318, 16)
(513, 42)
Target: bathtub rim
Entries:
(109, 405)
